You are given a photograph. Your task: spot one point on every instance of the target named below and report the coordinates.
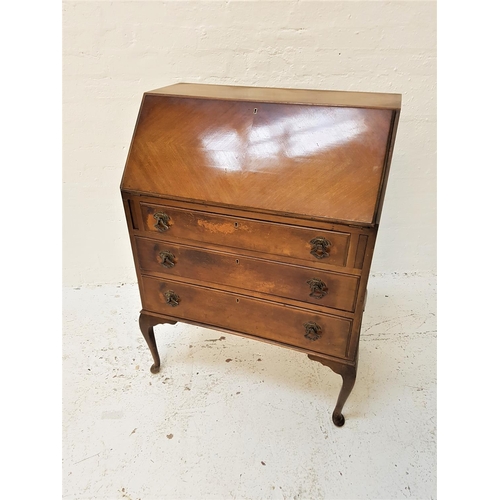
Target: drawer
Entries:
(317, 287)
(318, 332)
(309, 245)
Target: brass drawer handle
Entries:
(162, 221)
(320, 247)
(313, 330)
(171, 298)
(167, 259)
(318, 288)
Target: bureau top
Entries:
(307, 153)
(283, 96)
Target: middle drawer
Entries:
(306, 284)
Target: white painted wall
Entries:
(115, 51)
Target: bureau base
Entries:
(347, 371)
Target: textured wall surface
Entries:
(115, 51)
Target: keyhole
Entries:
(235, 224)
(237, 300)
(254, 111)
(237, 261)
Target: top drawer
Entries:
(311, 245)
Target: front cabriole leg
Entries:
(348, 374)
(348, 379)
(146, 324)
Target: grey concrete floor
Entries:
(233, 418)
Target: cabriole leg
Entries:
(348, 379)
(146, 324)
(348, 374)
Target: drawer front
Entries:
(317, 332)
(317, 287)
(329, 247)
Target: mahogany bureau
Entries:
(255, 211)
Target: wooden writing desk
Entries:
(255, 211)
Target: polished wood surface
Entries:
(348, 373)
(146, 324)
(255, 211)
(233, 232)
(248, 315)
(295, 220)
(282, 280)
(284, 96)
(320, 161)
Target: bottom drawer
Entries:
(322, 333)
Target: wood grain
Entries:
(284, 95)
(328, 162)
(259, 215)
(249, 274)
(248, 315)
(360, 251)
(232, 232)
